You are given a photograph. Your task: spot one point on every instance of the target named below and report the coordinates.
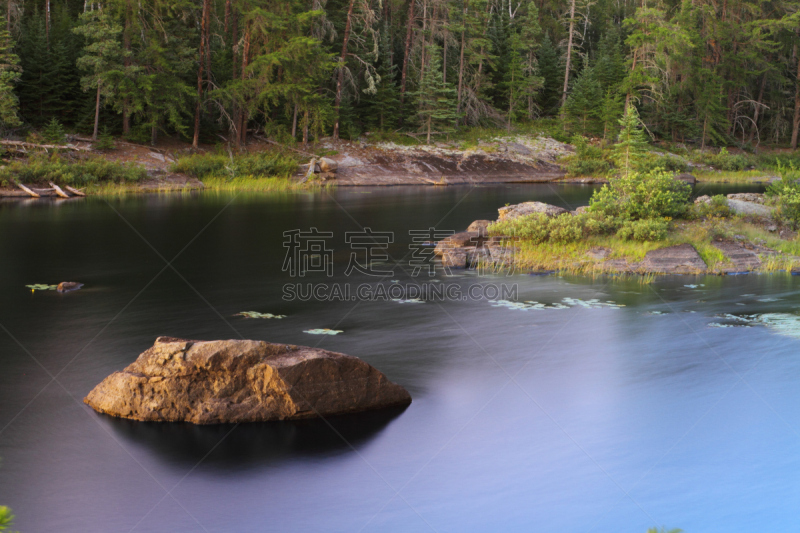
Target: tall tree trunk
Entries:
(757, 112)
(444, 52)
(245, 54)
(234, 48)
(96, 113)
(8, 16)
(294, 123)
(305, 128)
(461, 61)
(126, 45)
(340, 78)
(796, 123)
(227, 15)
(569, 52)
(424, 39)
(406, 54)
(47, 21)
(200, 64)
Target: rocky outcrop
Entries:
(679, 259)
(686, 178)
(510, 212)
(212, 382)
(747, 197)
(742, 207)
(480, 226)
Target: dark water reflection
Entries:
(574, 419)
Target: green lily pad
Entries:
(254, 314)
(42, 287)
(323, 331)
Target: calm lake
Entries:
(633, 411)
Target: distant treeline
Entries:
(703, 71)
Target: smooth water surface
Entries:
(586, 418)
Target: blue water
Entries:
(578, 419)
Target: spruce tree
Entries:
(584, 99)
(9, 76)
(436, 100)
(553, 76)
(631, 144)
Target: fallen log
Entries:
(24, 188)
(260, 138)
(59, 191)
(76, 192)
(26, 145)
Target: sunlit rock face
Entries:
(231, 381)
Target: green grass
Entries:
(573, 257)
(259, 184)
(259, 165)
(78, 173)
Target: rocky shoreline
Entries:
(475, 248)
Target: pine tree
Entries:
(632, 144)
(102, 59)
(552, 74)
(436, 99)
(9, 76)
(583, 100)
(610, 112)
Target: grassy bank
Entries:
(580, 257)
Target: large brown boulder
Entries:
(462, 239)
(511, 212)
(211, 382)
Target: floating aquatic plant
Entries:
(594, 303)
(695, 286)
(41, 287)
(253, 314)
(409, 301)
(323, 331)
(525, 306)
(782, 323)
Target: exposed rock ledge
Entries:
(211, 382)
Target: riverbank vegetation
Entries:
(640, 210)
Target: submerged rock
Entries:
(510, 212)
(67, 286)
(747, 197)
(231, 381)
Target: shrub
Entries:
(588, 159)
(539, 228)
(642, 195)
(725, 161)
(653, 229)
(565, 228)
(716, 208)
(217, 165)
(786, 194)
(92, 170)
(54, 132)
(105, 141)
(664, 162)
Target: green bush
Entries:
(716, 208)
(785, 193)
(6, 518)
(564, 228)
(218, 165)
(725, 161)
(641, 196)
(653, 229)
(54, 132)
(664, 162)
(91, 170)
(587, 160)
(104, 141)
